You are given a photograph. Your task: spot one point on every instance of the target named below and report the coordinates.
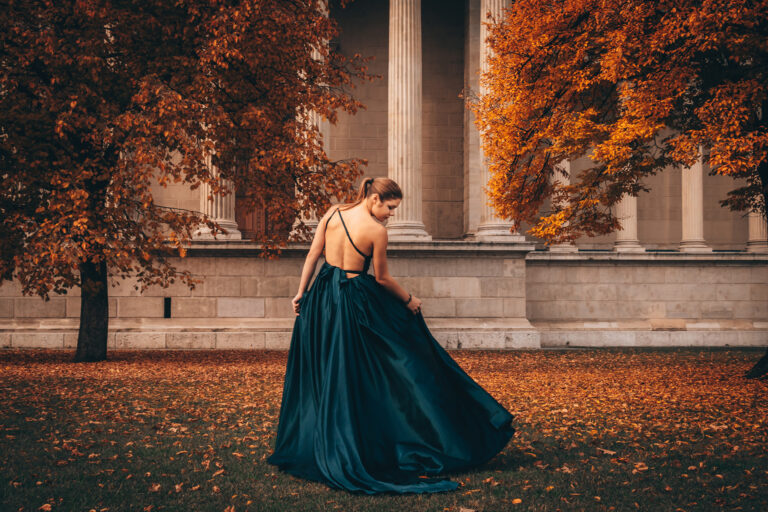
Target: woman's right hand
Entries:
(414, 305)
(295, 302)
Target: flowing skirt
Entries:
(371, 402)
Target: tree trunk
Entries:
(94, 312)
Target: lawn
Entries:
(599, 430)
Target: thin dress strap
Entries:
(349, 237)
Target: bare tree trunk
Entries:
(94, 312)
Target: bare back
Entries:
(339, 251)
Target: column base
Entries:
(497, 232)
(628, 246)
(407, 232)
(204, 233)
(694, 246)
(760, 247)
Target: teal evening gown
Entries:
(371, 402)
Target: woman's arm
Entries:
(310, 263)
(382, 273)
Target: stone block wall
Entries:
(648, 289)
(648, 299)
(364, 135)
(473, 292)
(454, 287)
(476, 295)
(443, 118)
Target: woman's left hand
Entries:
(414, 305)
(295, 303)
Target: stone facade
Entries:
(476, 295)
(684, 271)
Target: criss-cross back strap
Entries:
(349, 237)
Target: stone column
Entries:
(220, 209)
(473, 158)
(322, 127)
(693, 208)
(491, 227)
(404, 118)
(626, 237)
(758, 233)
(558, 178)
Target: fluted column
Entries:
(473, 159)
(221, 209)
(322, 127)
(561, 179)
(693, 208)
(626, 237)
(491, 227)
(758, 233)
(404, 118)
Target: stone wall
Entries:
(364, 135)
(648, 299)
(476, 295)
(443, 117)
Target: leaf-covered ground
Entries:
(189, 431)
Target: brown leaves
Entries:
(190, 426)
(92, 124)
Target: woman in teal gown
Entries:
(371, 402)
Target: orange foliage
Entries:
(660, 427)
(98, 100)
(636, 86)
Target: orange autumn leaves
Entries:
(102, 100)
(176, 427)
(634, 87)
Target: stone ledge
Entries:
(398, 248)
(451, 333)
(267, 339)
(618, 338)
(660, 324)
(586, 256)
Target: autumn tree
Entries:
(634, 85)
(100, 99)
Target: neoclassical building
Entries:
(682, 271)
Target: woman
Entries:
(371, 402)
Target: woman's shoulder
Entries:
(377, 230)
(331, 210)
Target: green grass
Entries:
(598, 430)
